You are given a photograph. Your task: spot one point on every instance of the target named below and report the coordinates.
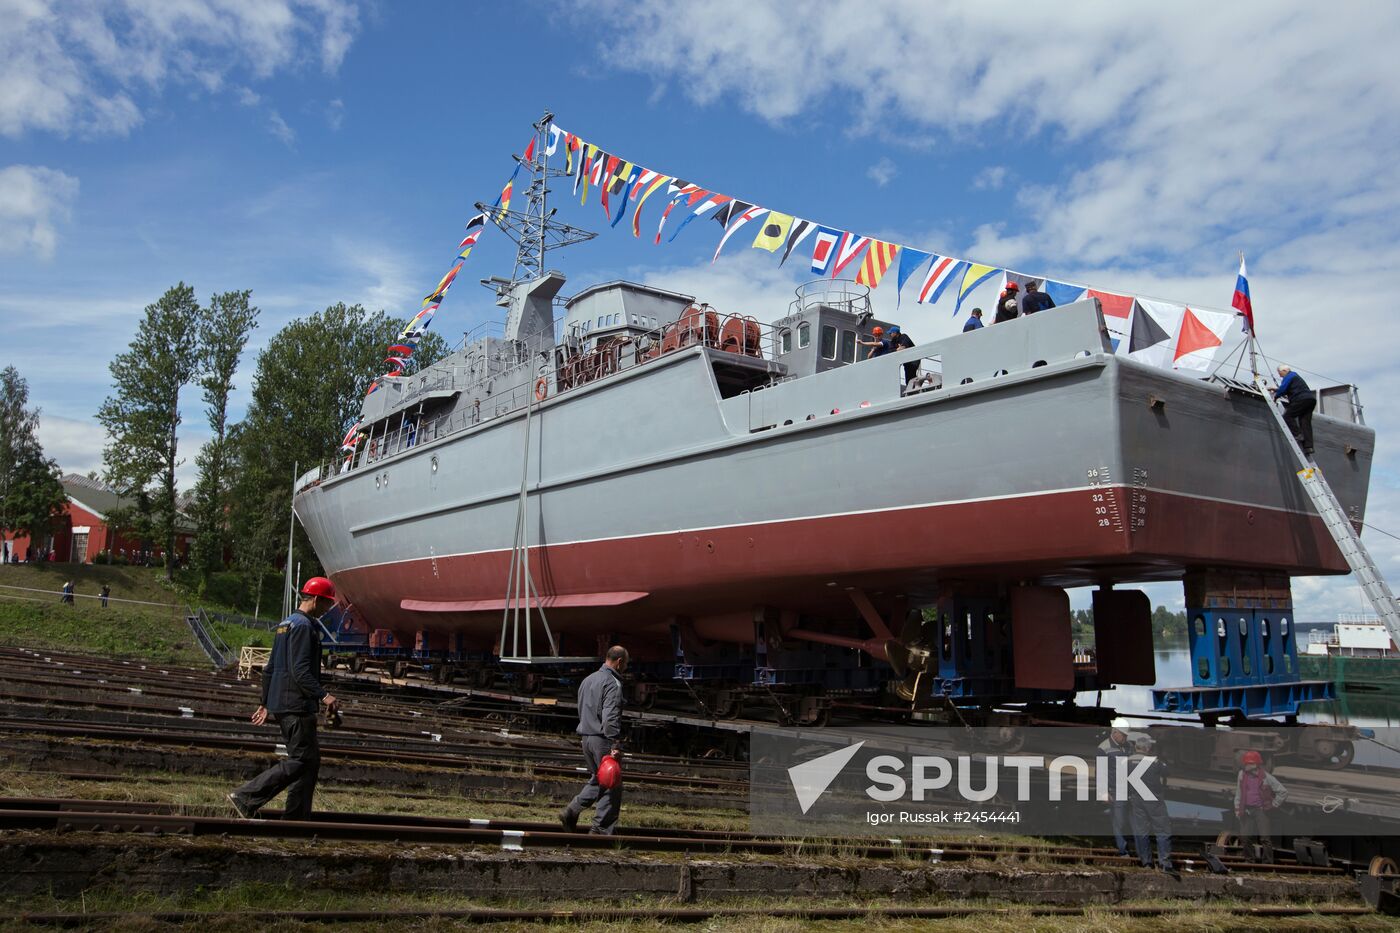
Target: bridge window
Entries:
(848, 346)
(787, 341)
(804, 335)
(828, 342)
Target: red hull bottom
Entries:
(718, 576)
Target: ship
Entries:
(742, 498)
(1358, 654)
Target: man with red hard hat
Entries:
(879, 346)
(600, 731)
(1257, 794)
(292, 694)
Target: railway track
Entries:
(167, 706)
(420, 753)
(688, 914)
(152, 818)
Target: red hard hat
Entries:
(1012, 287)
(878, 331)
(1251, 757)
(318, 586)
(609, 773)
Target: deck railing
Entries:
(701, 326)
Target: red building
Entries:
(83, 530)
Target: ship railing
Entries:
(1322, 638)
(928, 377)
(840, 294)
(700, 326)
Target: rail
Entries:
(740, 334)
(236, 618)
(839, 294)
(201, 626)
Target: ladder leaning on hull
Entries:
(1368, 575)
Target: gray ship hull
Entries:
(1043, 457)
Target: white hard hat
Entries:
(1120, 724)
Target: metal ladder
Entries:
(1368, 575)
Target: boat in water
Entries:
(1358, 655)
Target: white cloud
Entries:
(33, 199)
(75, 444)
(335, 114)
(1183, 143)
(279, 128)
(70, 67)
(247, 97)
(990, 178)
(882, 172)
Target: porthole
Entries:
(1200, 624)
(434, 464)
(377, 482)
(1203, 669)
(1244, 626)
(1224, 666)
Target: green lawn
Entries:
(145, 617)
(229, 592)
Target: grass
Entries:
(993, 919)
(144, 632)
(31, 615)
(205, 796)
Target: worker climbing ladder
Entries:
(1368, 575)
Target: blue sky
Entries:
(330, 150)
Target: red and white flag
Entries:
(939, 276)
(847, 251)
(824, 249)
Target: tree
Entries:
(1168, 625)
(431, 348)
(309, 385)
(143, 415)
(224, 328)
(30, 492)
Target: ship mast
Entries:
(528, 295)
(534, 229)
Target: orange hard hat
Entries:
(318, 586)
(609, 773)
(1251, 757)
(878, 331)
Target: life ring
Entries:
(541, 389)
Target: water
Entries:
(1174, 670)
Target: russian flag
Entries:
(1241, 300)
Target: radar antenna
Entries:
(534, 229)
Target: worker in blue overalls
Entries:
(292, 694)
